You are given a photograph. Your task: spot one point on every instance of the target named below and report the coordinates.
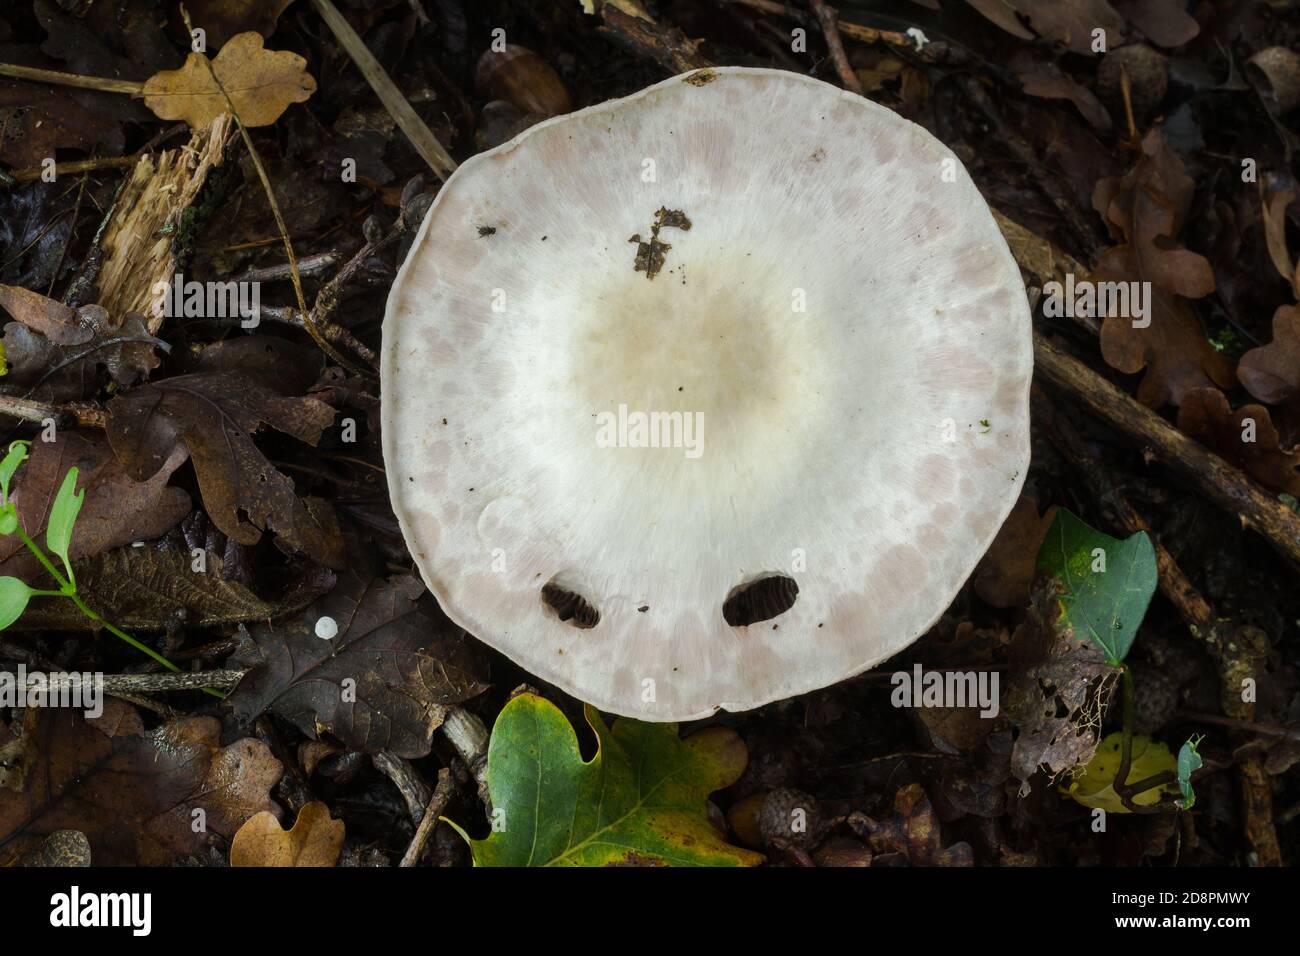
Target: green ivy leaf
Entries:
(14, 595)
(1189, 761)
(641, 800)
(1107, 583)
(17, 454)
(63, 515)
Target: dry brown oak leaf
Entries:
(1245, 436)
(154, 586)
(1147, 209)
(1273, 214)
(1272, 373)
(134, 794)
(314, 840)
(1165, 22)
(261, 84)
(214, 413)
(117, 510)
(57, 322)
(383, 682)
(34, 122)
(1006, 571)
(54, 350)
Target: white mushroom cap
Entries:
(842, 312)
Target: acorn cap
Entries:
(800, 298)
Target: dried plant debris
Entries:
(260, 85)
(910, 835)
(373, 664)
(1148, 208)
(235, 510)
(159, 585)
(213, 414)
(1057, 697)
(135, 794)
(314, 839)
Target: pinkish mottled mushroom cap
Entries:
(816, 289)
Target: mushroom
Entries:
(708, 396)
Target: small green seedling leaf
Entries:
(642, 799)
(14, 595)
(63, 515)
(1107, 583)
(1189, 761)
(15, 457)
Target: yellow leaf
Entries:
(1094, 785)
(261, 83)
(315, 840)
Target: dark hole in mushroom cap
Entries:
(760, 600)
(569, 606)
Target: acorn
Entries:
(522, 78)
(790, 817)
(841, 851)
(742, 817)
(1148, 79)
(1276, 71)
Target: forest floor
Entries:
(1165, 156)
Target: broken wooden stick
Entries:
(1228, 487)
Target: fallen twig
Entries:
(407, 781)
(1250, 726)
(32, 173)
(71, 79)
(325, 346)
(469, 736)
(437, 803)
(29, 410)
(421, 137)
(667, 46)
(854, 31)
(161, 682)
(307, 266)
(1221, 483)
(828, 20)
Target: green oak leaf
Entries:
(63, 515)
(14, 595)
(1104, 605)
(641, 800)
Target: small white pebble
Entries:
(327, 628)
(918, 36)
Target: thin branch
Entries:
(437, 803)
(1223, 484)
(325, 346)
(71, 79)
(163, 682)
(829, 22)
(469, 736)
(398, 106)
